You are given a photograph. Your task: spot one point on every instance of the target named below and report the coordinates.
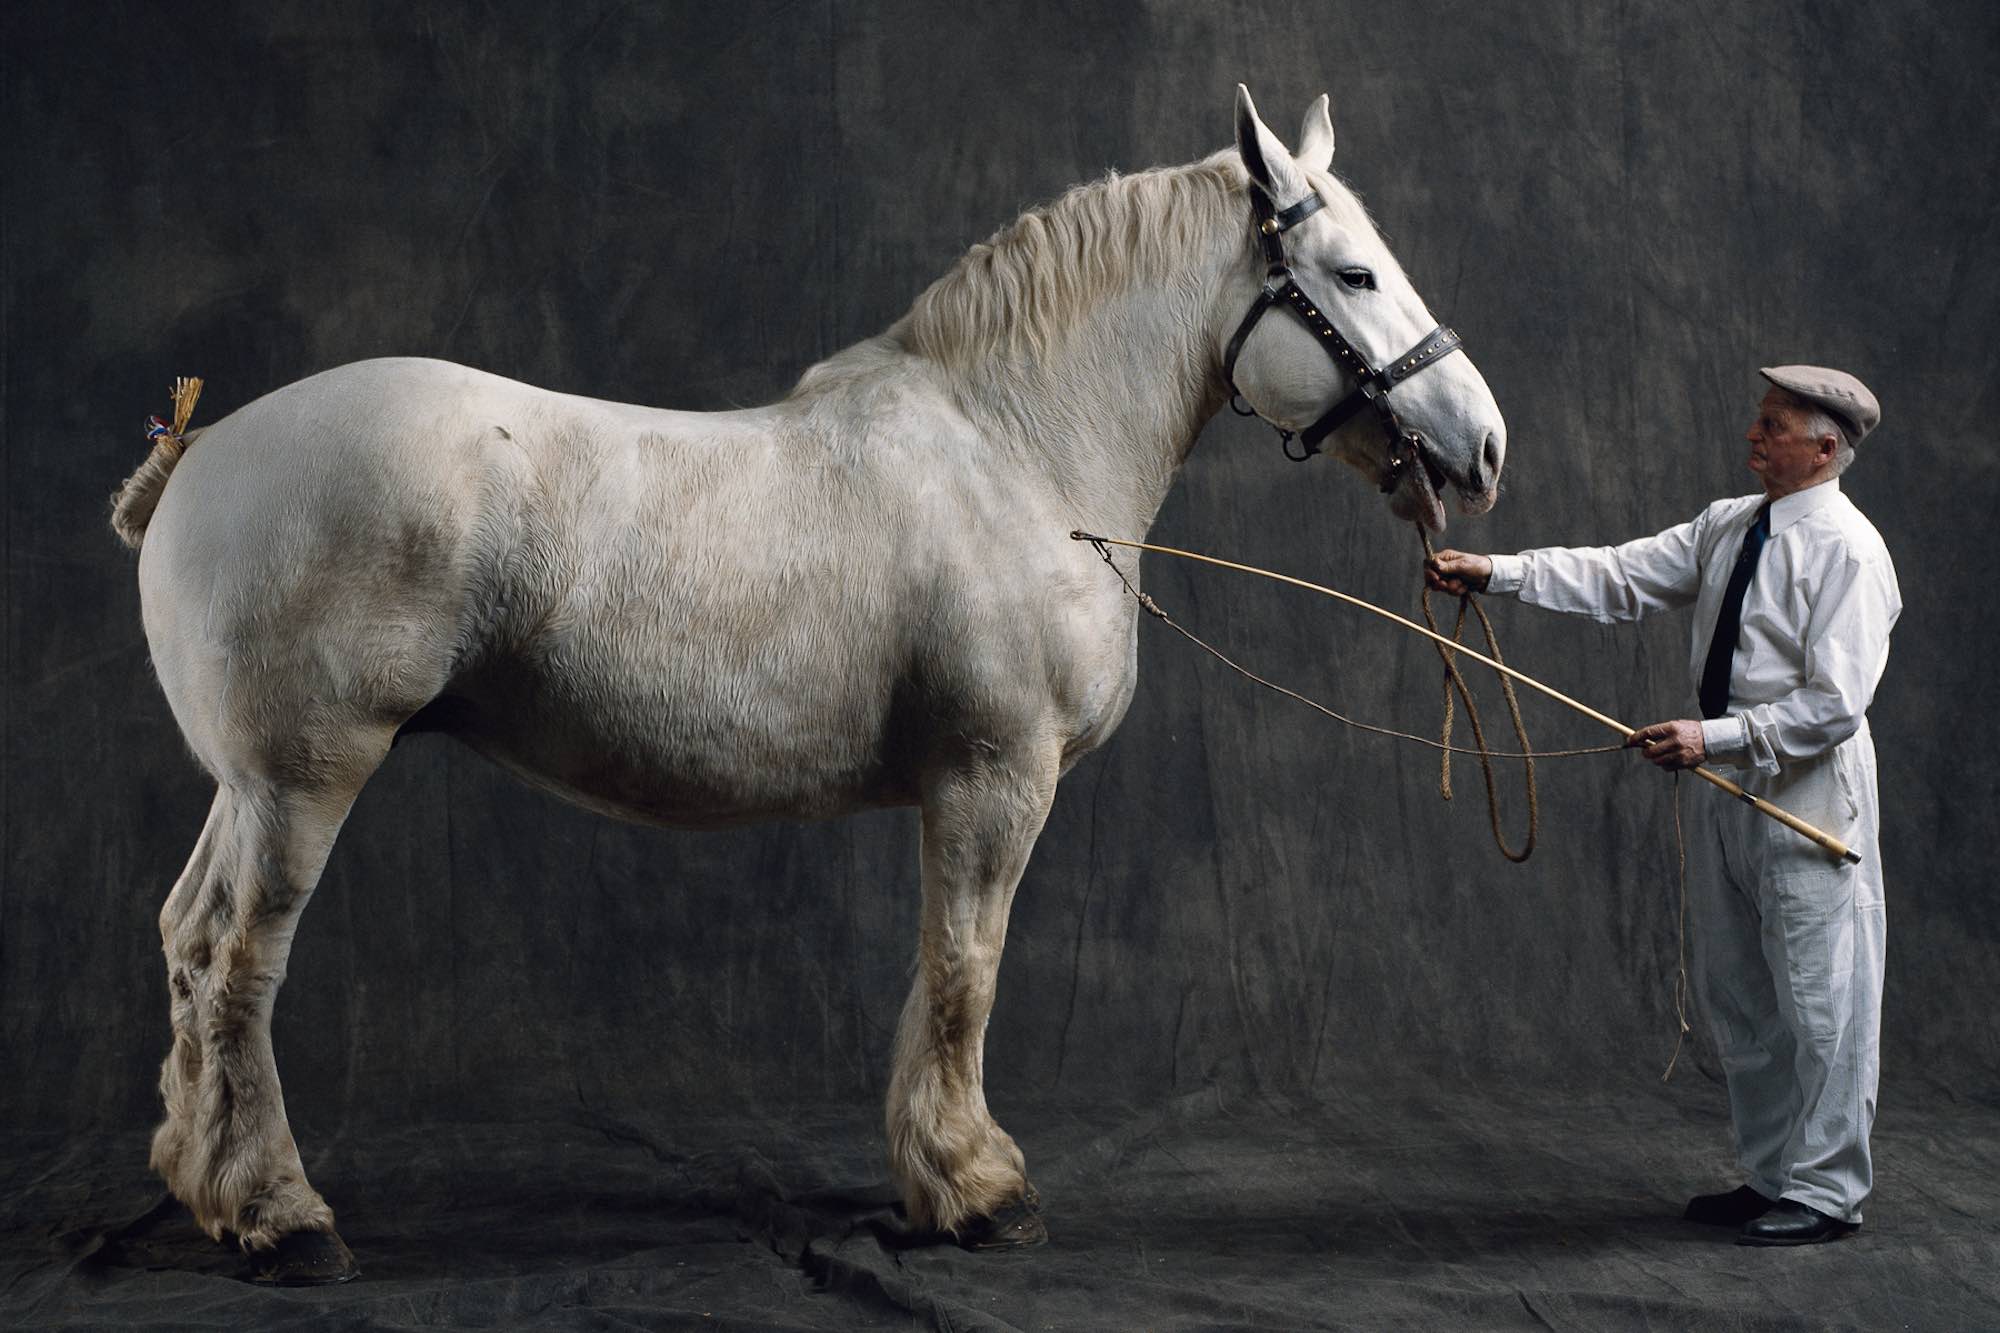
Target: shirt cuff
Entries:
(1722, 737)
(1509, 571)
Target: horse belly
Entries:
(693, 744)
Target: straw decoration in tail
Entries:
(132, 507)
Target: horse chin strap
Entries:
(1372, 385)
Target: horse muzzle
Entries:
(1480, 489)
(1415, 480)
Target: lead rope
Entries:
(1455, 681)
(1152, 608)
(1681, 982)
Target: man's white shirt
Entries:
(1815, 623)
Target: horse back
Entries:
(682, 617)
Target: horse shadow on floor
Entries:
(467, 1202)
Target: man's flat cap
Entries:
(1845, 398)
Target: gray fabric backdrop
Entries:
(1624, 209)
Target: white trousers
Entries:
(1788, 969)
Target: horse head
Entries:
(1350, 353)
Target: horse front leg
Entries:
(959, 1171)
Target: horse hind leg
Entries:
(225, 1148)
(958, 1171)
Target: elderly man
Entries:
(1794, 597)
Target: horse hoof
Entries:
(1014, 1227)
(304, 1259)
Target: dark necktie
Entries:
(1729, 619)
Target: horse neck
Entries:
(1111, 409)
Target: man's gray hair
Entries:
(1816, 421)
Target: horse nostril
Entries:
(1491, 457)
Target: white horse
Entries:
(863, 595)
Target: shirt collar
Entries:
(1793, 507)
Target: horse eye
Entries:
(1359, 278)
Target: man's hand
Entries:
(1670, 744)
(1458, 572)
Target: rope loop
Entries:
(1454, 685)
(1453, 681)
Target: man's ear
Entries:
(1266, 158)
(1316, 136)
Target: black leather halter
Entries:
(1371, 385)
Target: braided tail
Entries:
(132, 507)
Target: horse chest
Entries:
(1101, 709)
(1102, 677)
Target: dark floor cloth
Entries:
(1424, 1207)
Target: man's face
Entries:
(1782, 455)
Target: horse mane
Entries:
(1024, 287)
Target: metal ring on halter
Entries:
(1407, 450)
(1306, 451)
(1240, 407)
(1392, 476)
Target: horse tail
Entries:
(133, 504)
(132, 507)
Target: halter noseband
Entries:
(1371, 387)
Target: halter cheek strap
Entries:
(1372, 385)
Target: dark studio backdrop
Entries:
(1624, 210)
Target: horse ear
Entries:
(1316, 136)
(1267, 159)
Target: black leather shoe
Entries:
(1733, 1209)
(1793, 1223)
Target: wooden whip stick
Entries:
(1831, 844)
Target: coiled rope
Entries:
(1455, 687)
